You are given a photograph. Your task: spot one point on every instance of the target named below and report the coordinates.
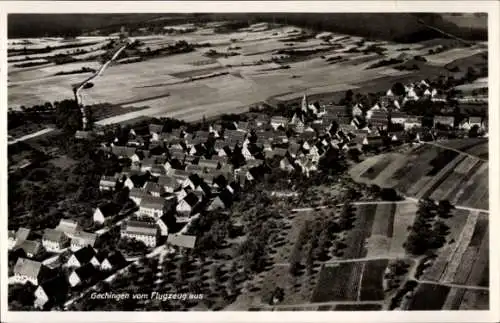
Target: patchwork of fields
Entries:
(433, 171)
(165, 84)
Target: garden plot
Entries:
(338, 282)
(404, 217)
(356, 237)
(379, 242)
(475, 262)
(351, 281)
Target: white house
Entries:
(152, 206)
(81, 239)
(54, 241)
(82, 275)
(278, 121)
(29, 270)
(105, 212)
(113, 261)
(187, 204)
(83, 256)
(144, 231)
(51, 292)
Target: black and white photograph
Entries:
(249, 161)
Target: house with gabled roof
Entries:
(105, 212)
(54, 240)
(154, 189)
(180, 175)
(145, 231)
(29, 270)
(398, 117)
(223, 200)
(51, 292)
(209, 164)
(278, 121)
(113, 262)
(412, 122)
(82, 257)
(107, 183)
(262, 120)
(31, 248)
(68, 226)
(448, 121)
(155, 130)
(81, 239)
(123, 151)
(18, 237)
(152, 206)
(188, 204)
(181, 240)
(83, 275)
(168, 183)
(136, 195)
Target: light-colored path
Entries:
(31, 135)
(453, 285)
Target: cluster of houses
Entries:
(181, 174)
(83, 265)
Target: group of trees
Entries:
(429, 231)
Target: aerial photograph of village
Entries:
(248, 162)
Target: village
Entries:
(173, 176)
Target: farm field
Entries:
(464, 260)
(351, 281)
(439, 297)
(432, 171)
(163, 83)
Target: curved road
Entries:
(78, 96)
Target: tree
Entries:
(474, 131)
(398, 88)
(277, 296)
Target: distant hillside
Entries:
(401, 27)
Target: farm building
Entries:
(144, 231)
(181, 240)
